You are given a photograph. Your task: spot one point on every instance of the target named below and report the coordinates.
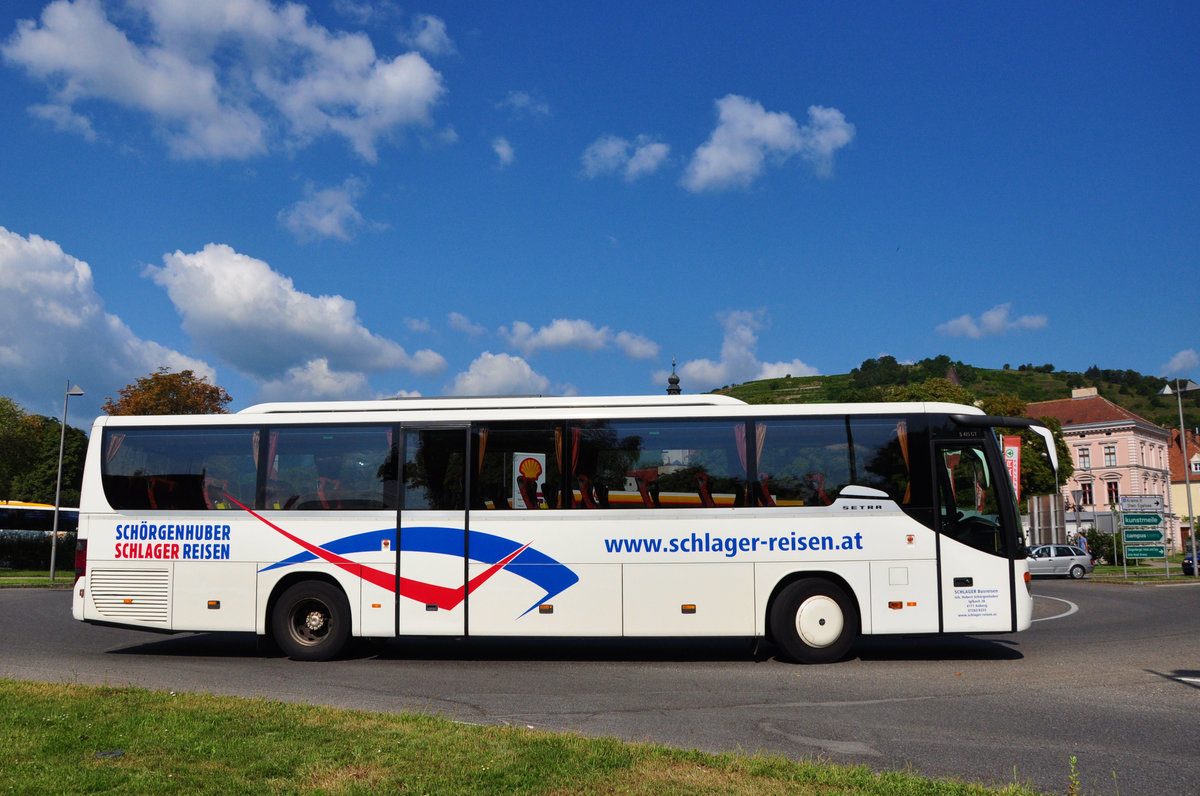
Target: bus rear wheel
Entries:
(311, 621)
(814, 621)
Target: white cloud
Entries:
(1183, 362)
(314, 381)
(561, 333)
(747, 136)
(612, 155)
(256, 319)
(827, 131)
(367, 12)
(605, 155)
(564, 333)
(522, 103)
(53, 326)
(635, 346)
(461, 323)
(499, 374)
(739, 361)
(326, 212)
(64, 119)
(428, 34)
(992, 323)
(417, 324)
(216, 77)
(646, 158)
(504, 151)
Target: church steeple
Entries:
(673, 381)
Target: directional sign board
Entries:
(1133, 535)
(1141, 503)
(1145, 551)
(1141, 519)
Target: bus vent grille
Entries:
(141, 595)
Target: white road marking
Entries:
(1072, 608)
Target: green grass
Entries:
(63, 578)
(76, 739)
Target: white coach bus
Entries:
(311, 523)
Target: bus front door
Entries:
(432, 532)
(974, 548)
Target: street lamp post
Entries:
(62, 440)
(1180, 388)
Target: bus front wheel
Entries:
(814, 621)
(311, 621)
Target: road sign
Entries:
(1141, 520)
(1143, 535)
(1145, 551)
(1141, 503)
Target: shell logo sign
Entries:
(530, 468)
(528, 471)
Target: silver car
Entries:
(1060, 560)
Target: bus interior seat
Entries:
(528, 489)
(587, 498)
(764, 490)
(649, 499)
(499, 498)
(280, 495)
(329, 492)
(215, 491)
(817, 483)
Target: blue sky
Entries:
(354, 200)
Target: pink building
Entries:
(1180, 482)
(1115, 452)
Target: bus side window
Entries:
(434, 474)
(331, 468)
(636, 464)
(176, 469)
(885, 453)
(801, 462)
(516, 466)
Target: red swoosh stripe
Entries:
(446, 598)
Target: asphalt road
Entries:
(1109, 674)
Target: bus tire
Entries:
(311, 621)
(814, 621)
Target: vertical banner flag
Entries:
(1012, 461)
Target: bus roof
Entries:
(437, 410)
(494, 402)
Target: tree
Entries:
(1037, 477)
(1003, 405)
(17, 438)
(29, 456)
(876, 372)
(938, 389)
(37, 484)
(167, 393)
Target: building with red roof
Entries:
(1116, 453)
(1185, 473)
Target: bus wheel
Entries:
(311, 621)
(814, 621)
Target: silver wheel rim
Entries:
(820, 621)
(310, 622)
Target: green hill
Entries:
(876, 378)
